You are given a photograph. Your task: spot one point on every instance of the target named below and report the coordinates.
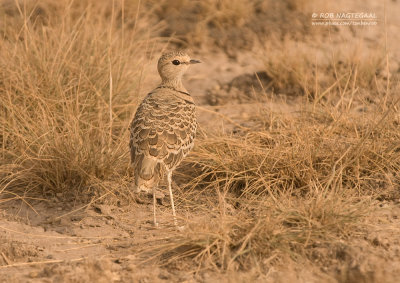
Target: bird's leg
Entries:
(169, 176)
(154, 207)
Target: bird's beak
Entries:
(193, 61)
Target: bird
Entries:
(163, 129)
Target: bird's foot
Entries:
(159, 195)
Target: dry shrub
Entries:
(315, 70)
(67, 86)
(231, 25)
(194, 20)
(290, 66)
(333, 149)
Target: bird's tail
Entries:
(147, 174)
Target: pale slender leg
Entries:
(154, 207)
(169, 175)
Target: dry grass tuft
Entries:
(231, 25)
(324, 73)
(67, 86)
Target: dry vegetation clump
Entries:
(342, 77)
(69, 75)
(332, 149)
(323, 72)
(291, 187)
(232, 25)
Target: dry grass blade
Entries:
(20, 264)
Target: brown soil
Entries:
(102, 243)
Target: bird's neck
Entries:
(175, 84)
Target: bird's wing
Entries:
(163, 129)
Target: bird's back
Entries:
(162, 134)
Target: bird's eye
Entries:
(176, 62)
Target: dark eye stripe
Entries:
(176, 62)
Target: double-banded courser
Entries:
(164, 127)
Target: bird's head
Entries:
(172, 65)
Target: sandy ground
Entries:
(101, 244)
